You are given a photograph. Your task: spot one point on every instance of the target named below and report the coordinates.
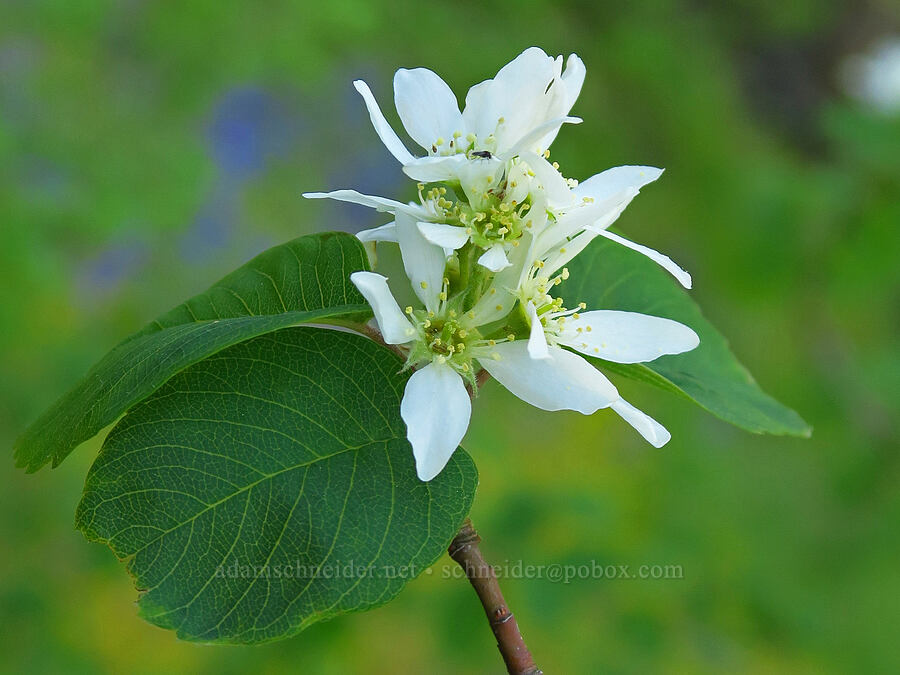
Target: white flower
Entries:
(569, 224)
(494, 237)
(521, 108)
(504, 188)
(445, 345)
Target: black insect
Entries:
(482, 153)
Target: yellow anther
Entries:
(465, 367)
(424, 285)
(457, 134)
(555, 164)
(511, 337)
(582, 305)
(499, 308)
(587, 328)
(409, 310)
(546, 154)
(439, 141)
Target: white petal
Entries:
(565, 381)
(500, 298)
(518, 183)
(663, 260)
(626, 337)
(554, 245)
(558, 191)
(532, 140)
(612, 181)
(446, 236)
(518, 93)
(435, 169)
(387, 135)
(494, 258)
(493, 306)
(378, 203)
(424, 262)
(654, 432)
(436, 408)
(482, 109)
(537, 341)
(570, 83)
(598, 212)
(383, 233)
(573, 78)
(427, 106)
(554, 259)
(476, 176)
(396, 329)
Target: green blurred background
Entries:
(146, 148)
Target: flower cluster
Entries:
(488, 240)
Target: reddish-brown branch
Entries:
(464, 550)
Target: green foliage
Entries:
(303, 281)
(609, 276)
(271, 486)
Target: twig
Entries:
(464, 550)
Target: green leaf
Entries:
(285, 452)
(609, 276)
(303, 281)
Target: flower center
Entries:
(469, 144)
(444, 339)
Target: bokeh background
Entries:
(146, 148)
